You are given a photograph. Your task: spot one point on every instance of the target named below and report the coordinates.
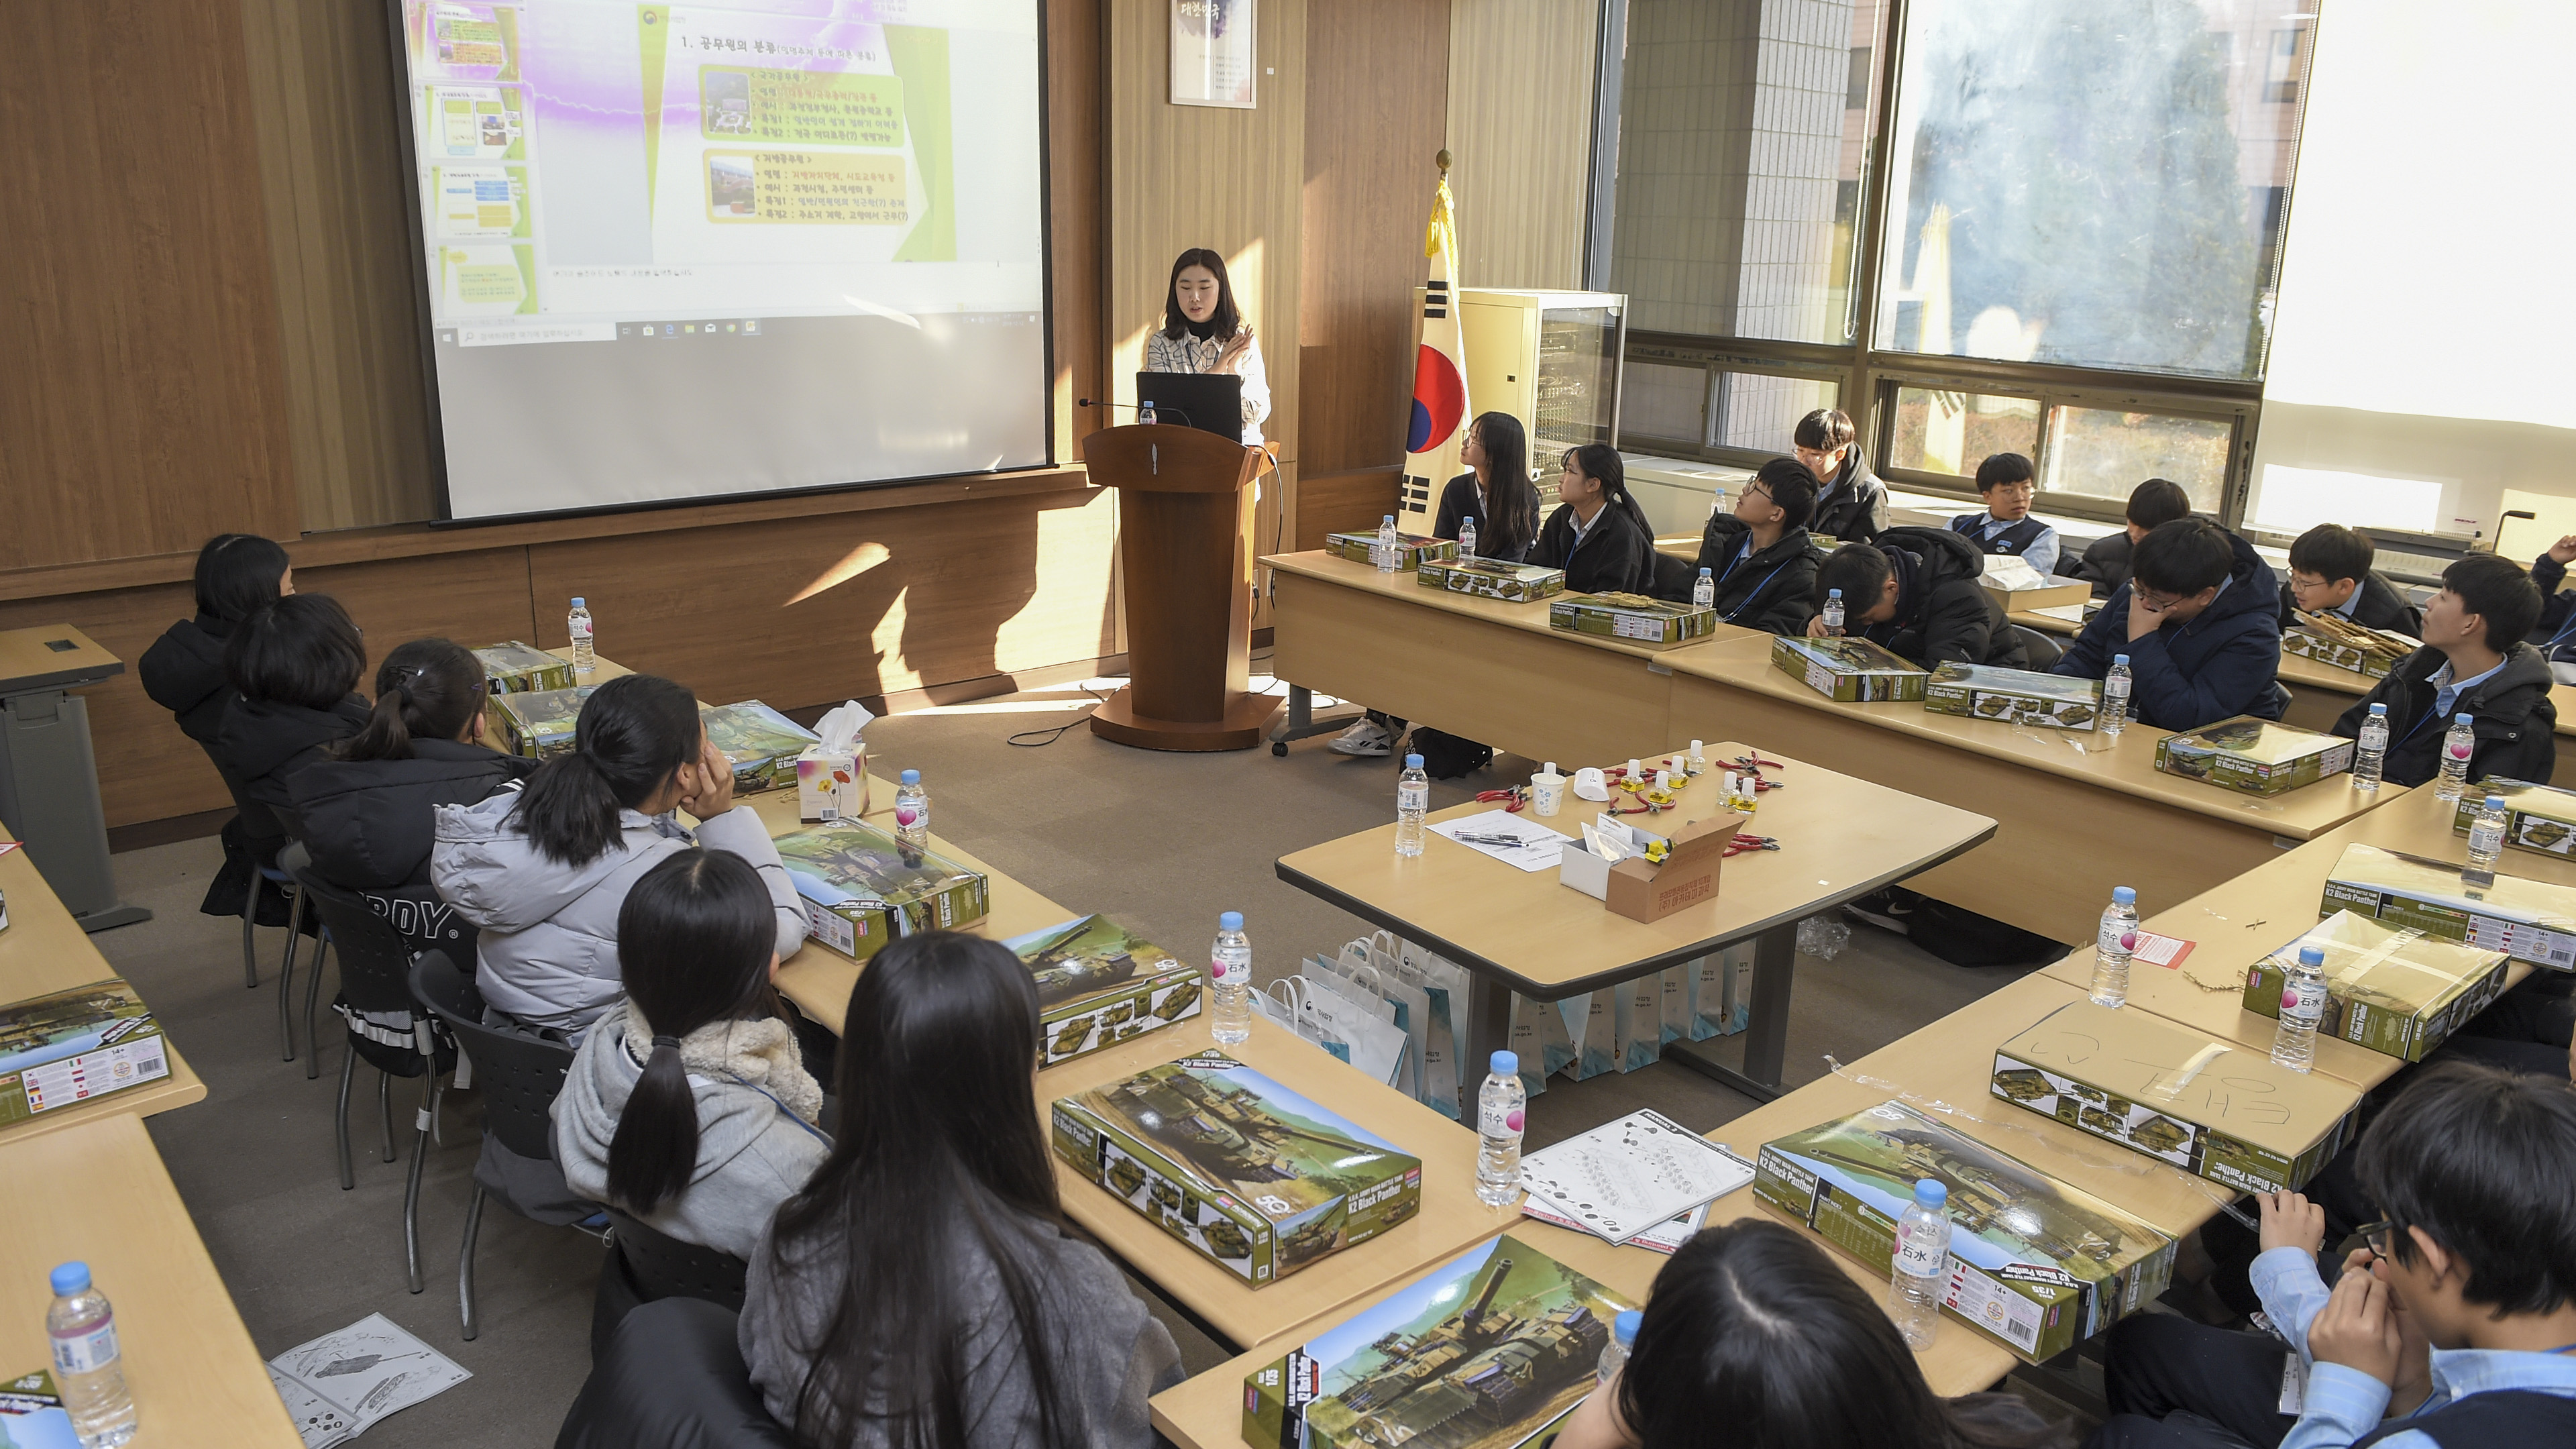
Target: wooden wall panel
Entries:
(1520, 125)
(1077, 241)
(142, 410)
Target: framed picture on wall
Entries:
(1212, 52)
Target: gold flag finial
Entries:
(1443, 159)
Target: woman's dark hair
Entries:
(940, 1167)
(2158, 500)
(426, 689)
(238, 574)
(301, 649)
(2484, 1161)
(634, 731)
(1753, 1327)
(1824, 430)
(1601, 463)
(1511, 500)
(695, 938)
(1222, 321)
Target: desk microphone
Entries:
(1084, 402)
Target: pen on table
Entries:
(1511, 840)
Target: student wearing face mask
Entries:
(1598, 535)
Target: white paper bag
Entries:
(1590, 1019)
(1445, 990)
(1637, 1021)
(1377, 1047)
(1539, 1038)
(1676, 994)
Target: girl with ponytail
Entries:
(544, 870)
(688, 1105)
(1599, 535)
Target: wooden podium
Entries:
(1188, 571)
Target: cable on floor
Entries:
(1030, 739)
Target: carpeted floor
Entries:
(1162, 842)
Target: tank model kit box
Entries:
(516, 668)
(2214, 1110)
(1412, 550)
(1854, 671)
(1100, 983)
(2015, 696)
(762, 743)
(1242, 1170)
(1485, 1351)
(2392, 989)
(2253, 755)
(2527, 920)
(2035, 1265)
(2369, 663)
(2537, 818)
(1630, 616)
(861, 888)
(539, 725)
(1492, 578)
(70, 1046)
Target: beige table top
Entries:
(1531, 617)
(2045, 623)
(98, 1192)
(1840, 837)
(30, 660)
(45, 950)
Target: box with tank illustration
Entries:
(71, 1046)
(2371, 663)
(1489, 1350)
(1412, 550)
(861, 887)
(1492, 578)
(2255, 756)
(539, 725)
(1236, 1167)
(1632, 617)
(1852, 670)
(2537, 818)
(762, 743)
(516, 668)
(2035, 1264)
(2392, 989)
(1100, 983)
(2015, 696)
(2527, 920)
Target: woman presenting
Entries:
(1203, 331)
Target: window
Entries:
(1761, 412)
(2294, 500)
(2102, 453)
(1952, 432)
(2281, 78)
(1662, 401)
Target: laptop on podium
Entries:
(1209, 401)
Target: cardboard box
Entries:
(2217, 1111)
(1099, 984)
(762, 743)
(2389, 988)
(2537, 818)
(832, 784)
(70, 1046)
(1687, 877)
(2035, 1265)
(2527, 920)
(2318, 649)
(861, 888)
(539, 725)
(1851, 670)
(2046, 596)
(2015, 696)
(1633, 617)
(1241, 1170)
(2254, 756)
(516, 668)
(1490, 1349)
(1411, 549)
(1492, 578)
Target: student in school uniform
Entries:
(2330, 572)
(1598, 534)
(2451, 1326)
(2008, 483)
(1851, 504)
(2555, 633)
(2105, 564)
(2199, 621)
(1915, 592)
(1760, 555)
(1750, 1325)
(294, 668)
(2473, 662)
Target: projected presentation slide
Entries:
(687, 251)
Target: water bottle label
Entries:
(1229, 975)
(2115, 689)
(1917, 1254)
(82, 1353)
(1500, 1121)
(2303, 1003)
(908, 816)
(2117, 940)
(1413, 797)
(2485, 839)
(580, 627)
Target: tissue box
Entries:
(71, 1046)
(1492, 578)
(1848, 669)
(2536, 817)
(861, 888)
(762, 743)
(1241, 1170)
(2256, 757)
(2036, 1265)
(1100, 983)
(2393, 990)
(1630, 616)
(1412, 550)
(539, 725)
(515, 668)
(2319, 649)
(832, 784)
(2527, 920)
(2014, 696)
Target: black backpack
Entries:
(1446, 756)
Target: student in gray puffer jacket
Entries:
(544, 869)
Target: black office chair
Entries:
(645, 1265)
(1673, 578)
(2044, 649)
(672, 1377)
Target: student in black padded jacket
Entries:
(296, 665)
(1599, 535)
(238, 574)
(1760, 556)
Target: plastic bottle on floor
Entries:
(87, 1368)
(2111, 948)
(1921, 1276)
(1230, 982)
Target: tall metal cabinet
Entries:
(1551, 359)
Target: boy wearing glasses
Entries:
(2009, 483)
(2454, 1324)
(2473, 662)
(2199, 621)
(2330, 573)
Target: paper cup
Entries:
(1547, 795)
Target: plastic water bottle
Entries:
(1834, 613)
(1501, 1112)
(912, 812)
(1623, 1337)
(1467, 537)
(1704, 592)
(2115, 696)
(2111, 949)
(1230, 981)
(1412, 802)
(2303, 1005)
(83, 1329)
(2458, 743)
(2370, 757)
(2486, 842)
(1920, 1276)
(1145, 415)
(584, 660)
(1388, 549)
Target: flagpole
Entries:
(1440, 407)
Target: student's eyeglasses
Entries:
(2153, 602)
(2375, 1236)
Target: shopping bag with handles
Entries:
(1377, 1046)
(1280, 1004)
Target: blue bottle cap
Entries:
(2312, 955)
(70, 1278)
(2124, 895)
(1389, 518)
(1413, 762)
(2119, 658)
(1707, 573)
(1505, 1064)
(912, 777)
(2380, 710)
(1624, 1327)
(1931, 1192)
(2458, 720)
(1833, 593)
(1230, 921)
(2495, 802)
(577, 603)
